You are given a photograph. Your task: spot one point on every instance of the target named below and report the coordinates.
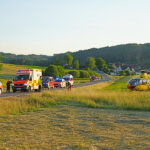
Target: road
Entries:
(22, 94)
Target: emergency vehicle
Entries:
(140, 84)
(60, 83)
(68, 78)
(1, 88)
(47, 82)
(27, 80)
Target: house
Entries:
(117, 67)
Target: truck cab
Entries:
(27, 80)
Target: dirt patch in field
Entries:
(66, 127)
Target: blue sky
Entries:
(56, 26)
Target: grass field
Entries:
(102, 116)
(75, 128)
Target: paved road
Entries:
(22, 94)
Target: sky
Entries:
(57, 26)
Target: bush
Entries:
(84, 74)
(51, 70)
(61, 71)
(75, 73)
(124, 73)
(93, 73)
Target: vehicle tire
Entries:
(40, 88)
(14, 91)
(0, 91)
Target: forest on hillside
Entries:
(138, 54)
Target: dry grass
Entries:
(10, 69)
(95, 96)
(75, 128)
(71, 125)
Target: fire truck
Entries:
(27, 80)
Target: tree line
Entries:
(138, 54)
(56, 70)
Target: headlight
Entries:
(25, 84)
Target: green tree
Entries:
(76, 64)
(56, 61)
(127, 72)
(75, 73)
(100, 63)
(84, 74)
(68, 59)
(93, 73)
(90, 63)
(106, 69)
(51, 70)
(122, 73)
(61, 71)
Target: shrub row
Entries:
(83, 73)
(58, 71)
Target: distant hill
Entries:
(138, 54)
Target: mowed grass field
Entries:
(102, 116)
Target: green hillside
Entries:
(128, 53)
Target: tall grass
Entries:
(95, 96)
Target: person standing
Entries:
(8, 86)
(69, 86)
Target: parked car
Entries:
(47, 82)
(93, 78)
(60, 83)
(1, 88)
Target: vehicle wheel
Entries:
(14, 91)
(0, 91)
(40, 88)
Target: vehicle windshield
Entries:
(66, 79)
(46, 79)
(21, 77)
(58, 80)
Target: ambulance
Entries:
(27, 80)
